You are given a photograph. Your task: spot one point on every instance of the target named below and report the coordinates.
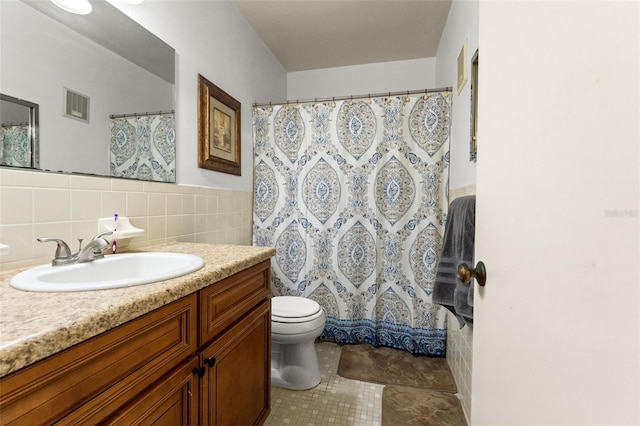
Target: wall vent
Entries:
(76, 105)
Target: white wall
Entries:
(361, 79)
(461, 27)
(213, 39)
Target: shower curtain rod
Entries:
(345, 98)
(142, 114)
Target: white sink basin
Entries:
(115, 271)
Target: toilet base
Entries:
(295, 366)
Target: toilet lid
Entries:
(292, 308)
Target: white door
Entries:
(557, 327)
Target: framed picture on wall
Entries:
(473, 146)
(218, 129)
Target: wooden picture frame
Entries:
(462, 67)
(218, 129)
(473, 144)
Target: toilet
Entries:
(295, 324)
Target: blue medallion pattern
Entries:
(15, 146)
(355, 209)
(430, 123)
(321, 191)
(424, 256)
(144, 147)
(395, 190)
(291, 252)
(289, 132)
(356, 127)
(357, 254)
(266, 191)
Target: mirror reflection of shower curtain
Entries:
(15, 145)
(353, 195)
(143, 147)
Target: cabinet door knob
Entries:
(199, 371)
(210, 361)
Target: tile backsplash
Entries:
(40, 204)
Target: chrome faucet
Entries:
(93, 250)
(89, 253)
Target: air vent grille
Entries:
(76, 105)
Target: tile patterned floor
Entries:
(336, 401)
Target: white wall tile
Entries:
(174, 226)
(89, 182)
(212, 204)
(113, 202)
(188, 204)
(137, 204)
(174, 204)
(128, 185)
(16, 206)
(85, 229)
(19, 238)
(157, 204)
(43, 180)
(86, 205)
(188, 224)
(157, 228)
(201, 204)
(68, 207)
(51, 205)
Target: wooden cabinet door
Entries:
(236, 388)
(172, 402)
(227, 301)
(89, 382)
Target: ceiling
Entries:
(315, 34)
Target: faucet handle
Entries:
(62, 251)
(102, 234)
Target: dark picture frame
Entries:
(218, 129)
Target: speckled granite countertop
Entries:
(35, 325)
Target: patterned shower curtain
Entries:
(144, 147)
(353, 195)
(15, 145)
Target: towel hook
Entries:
(465, 274)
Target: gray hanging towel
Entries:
(457, 248)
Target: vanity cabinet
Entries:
(174, 401)
(91, 380)
(235, 329)
(236, 388)
(203, 359)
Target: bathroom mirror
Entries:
(104, 87)
(18, 133)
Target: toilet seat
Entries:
(292, 309)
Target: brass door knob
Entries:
(465, 274)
